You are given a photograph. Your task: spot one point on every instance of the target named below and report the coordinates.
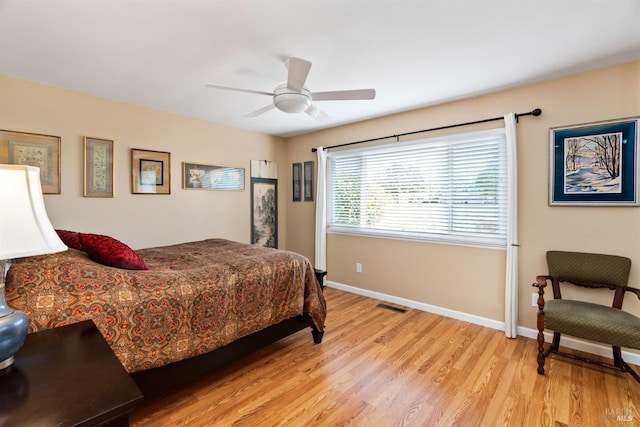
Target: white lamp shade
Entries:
(25, 229)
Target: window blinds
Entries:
(451, 189)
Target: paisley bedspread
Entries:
(195, 297)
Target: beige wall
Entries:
(141, 220)
(454, 277)
(469, 279)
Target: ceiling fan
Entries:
(294, 97)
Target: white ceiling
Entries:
(160, 53)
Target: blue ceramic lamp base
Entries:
(13, 326)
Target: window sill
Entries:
(421, 238)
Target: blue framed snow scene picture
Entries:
(594, 164)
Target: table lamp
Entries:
(25, 230)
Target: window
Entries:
(447, 189)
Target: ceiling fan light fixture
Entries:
(294, 97)
(292, 102)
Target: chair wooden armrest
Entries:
(541, 281)
(634, 290)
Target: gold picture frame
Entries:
(98, 167)
(150, 172)
(34, 149)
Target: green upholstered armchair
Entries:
(608, 325)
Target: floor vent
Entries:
(392, 308)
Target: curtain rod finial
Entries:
(536, 112)
(313, 150)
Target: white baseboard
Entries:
(477, 320)
(570, 342)
(581, 345)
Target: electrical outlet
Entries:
(534, 299)
(358, 267)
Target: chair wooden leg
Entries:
(555, 344)
(617, 357)
(554, 347)
(541, 355)
(629, 369)
(619, 363)
(540, 339)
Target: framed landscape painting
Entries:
(264, 212)
(594, 164)
(198, 176)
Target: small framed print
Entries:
(296, 181)
(308, 181)
(197, 176)
(34, 149)
(150, 172)
(98, 167)
(594, 164)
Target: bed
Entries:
(190, 308)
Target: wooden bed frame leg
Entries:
(317, 335)
(320, 277)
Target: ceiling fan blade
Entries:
(239, 90)
(344, 95)
(298, 72)
(317, 113)
(261, 110)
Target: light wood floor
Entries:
(378, 367)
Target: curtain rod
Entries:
(535, 112)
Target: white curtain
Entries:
(511, 282)
(321, 211)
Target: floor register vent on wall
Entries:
(392, 308)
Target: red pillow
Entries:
(70, 238)
(111, 252)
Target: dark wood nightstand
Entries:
(67, 376)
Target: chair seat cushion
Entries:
(593, 322)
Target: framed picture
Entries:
(595, 164)
(150, 172)
(308, 181)
(98, 167)
(196, 176)
(296, 184)
(33, 149)
(264, 212)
